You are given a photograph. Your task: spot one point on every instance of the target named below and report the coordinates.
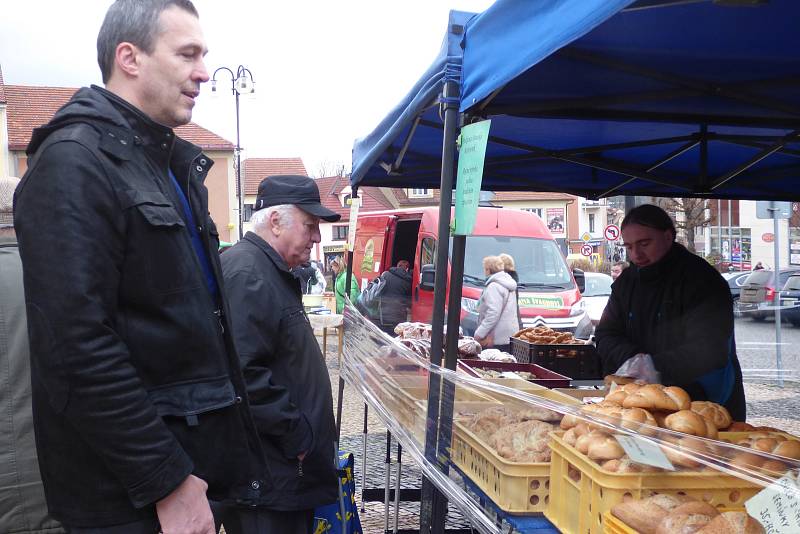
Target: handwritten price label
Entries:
(644, 451)
(777, 507)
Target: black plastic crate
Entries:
(577, 361)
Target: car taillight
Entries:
(770, 294)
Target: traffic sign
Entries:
(587, 250)
(611, 232)
(586, 237)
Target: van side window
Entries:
(427, 251)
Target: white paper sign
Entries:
(777, 506)
(644, 451)
(351, 231)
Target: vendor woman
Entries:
(674, 306)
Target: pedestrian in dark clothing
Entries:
(306, 274)
(674, 306)
(287, 380)
(139, 405)
(510, 267)
(395, 299)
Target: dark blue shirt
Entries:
(197, 243)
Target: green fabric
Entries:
(340, 291)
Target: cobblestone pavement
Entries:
(767, 404)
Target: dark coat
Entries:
(304, 274)
(135, 379)
(287, 379)
(395, 298)
(679, 311)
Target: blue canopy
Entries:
(607, 97)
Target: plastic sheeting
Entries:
(394, 381)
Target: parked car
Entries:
(736, 280)
(790, 300)
(598, 289)
(757, 297)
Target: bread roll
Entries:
(691, 423)
(718, 414)
(687, 445)
(622, 392)
(658, 397)
(788, 449)
(739, 426)
(604, 447)
(732, 523)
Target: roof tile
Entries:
(31, 106)
(256, 169)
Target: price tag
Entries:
(777, 506)
(644, 451)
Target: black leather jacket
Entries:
(135, 378)
(287, 381)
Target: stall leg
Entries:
(397, 486)
(388, 481)
(364, 459)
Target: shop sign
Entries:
(768, 237)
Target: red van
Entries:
(548, 291)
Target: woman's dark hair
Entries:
(650, 216)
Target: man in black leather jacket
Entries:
(139, 404)
(287, 379)
(672, 305)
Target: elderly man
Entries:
(287, 380)
(138, 400)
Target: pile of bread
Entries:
(516, 435)
(417, 337)
(681, 514)
(542, 335)
(645, 407)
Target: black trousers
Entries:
(259, 520)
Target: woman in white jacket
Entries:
(497, 308)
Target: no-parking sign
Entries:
(587, 250)
(611, 232)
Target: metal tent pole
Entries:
(433, 505)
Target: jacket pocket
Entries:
(160, 243)
(191, 399)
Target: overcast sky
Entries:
(325, 72)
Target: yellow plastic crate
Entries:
(581, 493)
(517, 488)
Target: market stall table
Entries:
(325, 321)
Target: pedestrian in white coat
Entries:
(497, 308)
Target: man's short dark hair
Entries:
(135, 22)
(623, 264)
(650, 216)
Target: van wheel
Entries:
(757, 317)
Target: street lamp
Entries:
(241, 84)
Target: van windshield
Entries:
(539, 263)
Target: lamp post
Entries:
(241, 83)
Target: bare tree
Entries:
(689, 214)
(331, 168)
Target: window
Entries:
(427, 251)
(591, 223)
(248, 212)
(340, 232)
(419, 193)
(535, 211)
